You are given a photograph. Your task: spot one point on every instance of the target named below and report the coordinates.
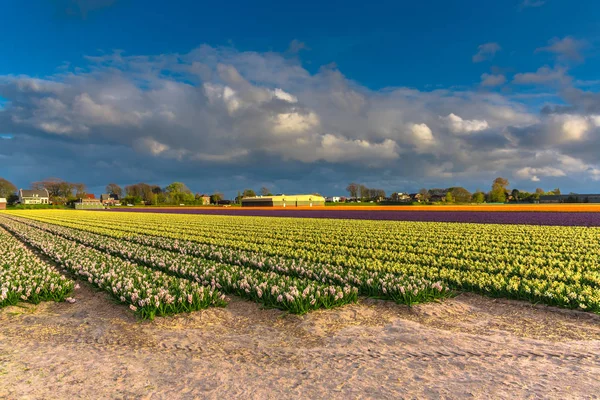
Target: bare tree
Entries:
(113, 188)
(352, 189)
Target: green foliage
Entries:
(478, 197)
(449, 198)
(249, 193)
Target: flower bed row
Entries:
(294, 294)
(565, 271)
(149, 293)
(24, 277)
(400, 288)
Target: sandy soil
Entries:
(466, 347)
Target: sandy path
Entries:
(469, 346)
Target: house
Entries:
(88, 204)
(34, 196)
(571, 198)
(416, 197)
(400, 197)
(2, 203)
(296, 200)
(109, 199)
(90, 196)
(205, 199)
(333, 199)
(437, 195)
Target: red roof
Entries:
(89, 196)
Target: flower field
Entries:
(533, 214)
(24, 277)
(301, 265)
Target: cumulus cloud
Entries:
(543, 76)
(491, 80)
(486, 51)
(458, 125)
(533, 173)
(567, 48)
(214, 113)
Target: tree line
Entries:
(499, 193)
(63, 192)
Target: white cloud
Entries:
(54, 127)
(149, 145)
(492, 80)
(458, 125)
(294, 122)
(233, 108)
(532, 173)
(486, 51)
(572, 127)
(566, 48)
(282, 95)
(544, 75)
(422, 133)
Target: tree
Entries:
(142, 190)
(363, 192)
(264, 191)
(502, 182)
(177, 187)
(248, 193)
(556, 191)
(539, 191)
(515, 194)
(424, 193)
(352, 189)
(113, 188)
(460, 194)
(478, 197)
(60, 191)
(6, 188)
(449, 198)
(80, 190)
(179, 193)
(216, 197)
(497, 195)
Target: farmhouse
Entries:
(295, 200)
(2, 204)
(34, 196)
(571, 198)
(333, 199)
(205, 199)
(88, 204)
(109, 199)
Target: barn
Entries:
(2, 204)
(283, 200)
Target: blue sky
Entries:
(301, 96)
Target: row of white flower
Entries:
(567, 254)
(148, 292)
(293, 294)
(24, 277)
(400, 288)
(553, 265)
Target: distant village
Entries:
(56, 192)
